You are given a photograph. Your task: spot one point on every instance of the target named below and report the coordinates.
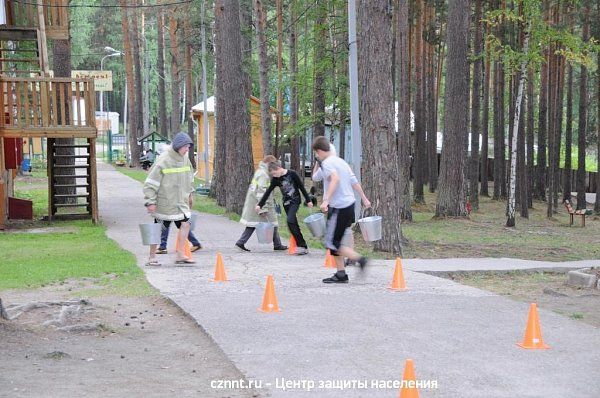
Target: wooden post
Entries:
(42, 43)
(93, 181)
(3, 188)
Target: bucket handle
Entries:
(364, 210)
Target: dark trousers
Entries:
(292, 222)
(250, 230)
(164, 236)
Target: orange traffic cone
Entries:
(177, 241)
(220, 275)
(269, 303)
(329, 260)
(533, 332)
(187, 249)
(292, 249)
(398, 279)
(408, 388)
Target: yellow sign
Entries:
(102, 79)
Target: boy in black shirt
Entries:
(291, 185)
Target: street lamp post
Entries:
(113, 53)
(354, 105)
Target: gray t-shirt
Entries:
(343, 196)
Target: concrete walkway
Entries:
(461, 337)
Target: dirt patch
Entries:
(548, 290)
(47, 230)
(109, 347)
(27, 183)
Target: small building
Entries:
(197, 114)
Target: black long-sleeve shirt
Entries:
(291, 185)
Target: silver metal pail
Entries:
(264, 232)
(193, 221)
(151, 233)
(316, 224)
(370, 227)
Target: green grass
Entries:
(77, 249)
(83, 251)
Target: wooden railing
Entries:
(47, 107)
(24, 14)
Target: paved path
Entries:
(459, 336)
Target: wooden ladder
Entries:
(72, 182)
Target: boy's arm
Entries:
(152, 185)
(358, 188)
(317, 173)
(300, 186)
(265, 196)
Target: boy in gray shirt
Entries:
(338, 202)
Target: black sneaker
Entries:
(362, 262)
(242, 247)
(280, 248)
(336, 279)
(161, 251)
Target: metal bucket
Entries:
(316, 224)
(193, 220)
(264, 232)
(370, 227)
(151, 233)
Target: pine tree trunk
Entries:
(189, 93)
(502, 118)
(542, 141)
(431, 105)
(146, 76)
(559, 130)
(279, 125)
(485, 124)
(320, 40)
(597, 203)
(295, 141)
(582, 127)
(530, 137)
(263, 67)
(218, 188)
(522, 189)
(516, 123)
(403, 88)
(234, 111)
(343, 84)
(61, 51)
(420, 124)
(378, 125)
(475, 104)
(452, 196)
(134, 147)
(567, 171)
(175, 90)
(160, 66)
(138, 111)
(551, 132)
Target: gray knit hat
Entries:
(180, 140)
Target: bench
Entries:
(572, 212)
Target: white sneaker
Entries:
(300, 251)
